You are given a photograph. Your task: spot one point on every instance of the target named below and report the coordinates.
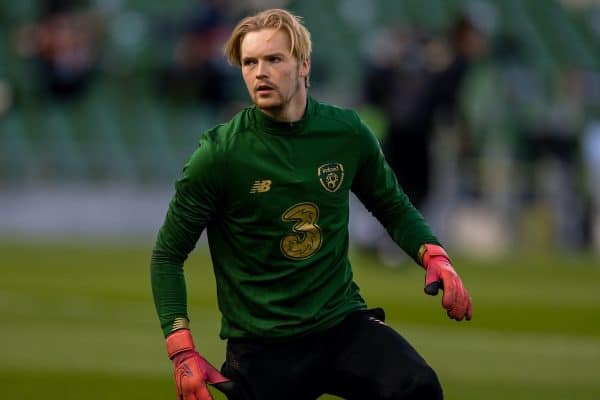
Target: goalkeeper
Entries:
(271, 188)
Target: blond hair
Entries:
(278, 19)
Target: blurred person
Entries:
(271, 187)
(6, 97)
(591, 156)
(415, 79)
(414, 85)
(553, 143)
(64, 45)
(197, 71)
(394, 79)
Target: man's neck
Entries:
(293, 112)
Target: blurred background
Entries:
(488, 111)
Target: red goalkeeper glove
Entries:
(441, 275)
(192, 371)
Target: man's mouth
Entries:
(264, 89)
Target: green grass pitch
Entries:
(77, 321)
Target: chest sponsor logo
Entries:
(261, 186)
(331, 176)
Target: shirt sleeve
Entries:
(190, 210)
(375, 184)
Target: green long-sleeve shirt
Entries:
(273, 197)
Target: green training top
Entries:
(273, 197)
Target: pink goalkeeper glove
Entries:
(192, 371)
(441, 275)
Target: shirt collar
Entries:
(275, 127)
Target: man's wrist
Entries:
(180, 323)
(428, 251)
(179, 342)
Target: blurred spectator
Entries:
(591, 153)
(553, 144)
(64, 45)
(529, 125)
(415, 84)
(198, 70)
(414, 79)
(6, 97)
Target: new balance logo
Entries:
(261, 186)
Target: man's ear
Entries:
(304, 72)
(305, 68)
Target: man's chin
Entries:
(267, 104)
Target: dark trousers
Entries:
(361, 358)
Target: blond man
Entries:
(271, 187)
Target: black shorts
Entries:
(361, 358)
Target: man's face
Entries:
(274, 77)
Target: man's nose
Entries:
(261, 70)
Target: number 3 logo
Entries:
(306, 238)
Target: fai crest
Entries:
(331, 176)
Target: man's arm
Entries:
(376, 186)
(190, 210)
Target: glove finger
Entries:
(190, 396)
(179, 385)
(461, 301)
(433, 288)
(433, 281)
(469, 313)
(203, 394)
(468, 305)
(213, 376)
(432, 275)
(449, 298)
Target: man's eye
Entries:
(275, 59)
(249, 62)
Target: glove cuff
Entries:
(428, 251)
(179, 341)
